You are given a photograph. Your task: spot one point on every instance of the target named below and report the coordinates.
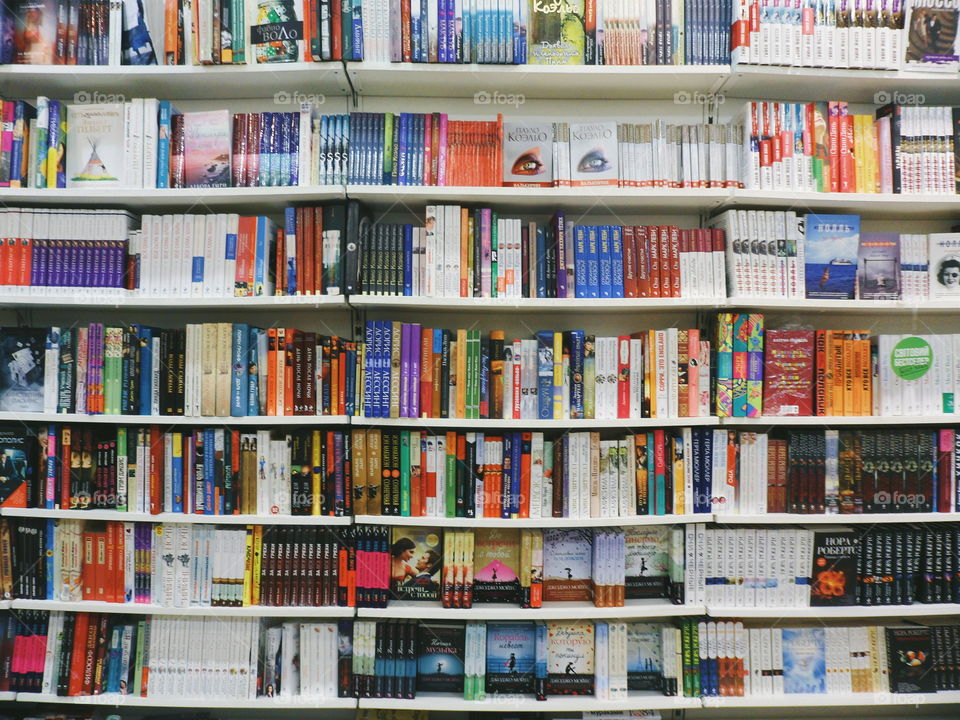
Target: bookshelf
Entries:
(264, 611)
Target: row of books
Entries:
(181, 565)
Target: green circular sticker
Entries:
(911, 358)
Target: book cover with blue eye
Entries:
(804, 660)
(511, 654)
(593, 154)
(528, 154)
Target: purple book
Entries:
(416, 340)
(405, 370)
(293, 178)
(560, 233)
(36, 277)
(67, 263)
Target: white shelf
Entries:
(449, 702)
(842, 421)
(178, 517)
(247, 199)
(871, 307)
(7, 696)
(822, 519)
(175, 420)
(173, 82)
(532, 425)
(577, 305)
(634, 609)
(531, 81)
(874, 205)
(260, 703)
(816, 700)
(138, 609)
(132, 302)
(852, 612)
(629, 520)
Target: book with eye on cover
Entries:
(528, 154)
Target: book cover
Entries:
(833, 576)
(804, 660)
(910, 659)
(878, 266)
(931, 42)
(593, 153)
(35, 36)
(647, 562)
(415, 563)
(567, 564)
(22, 353)
(528, 154)
(17, 465)
(276, 34)
(644, 657)
(570, 658)
(207, 147)
(944, 265)
(556, 33)
(831, 245)
(511, 654)
(440, 647)
(496, 557)
(788, 372)
(95, 153)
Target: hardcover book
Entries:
(207, 148)
(910, 657)
(22, 369)
(415, 563)
(804, 661)
(878, 266)
(556, 33)
(276, 33)
(570, 658)
(567, 564)
(831, 245)
(593, 153)
(944, 264)
(528, 154)
(95, 153)
(644, 657)
(511, 654)
(833, 576)
(17, 453)
(647, 562)
(440, 656)
(496, 559)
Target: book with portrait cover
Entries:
(910, 658)
(931, 28)
(440, 647)
(644, 656)
(511, 654)
(944, 264)
(17, 465)
(833, 576)
(570, 656)
(22, 369)
(207, 149)
(415, 563)
(647, 562)
(528, 154)
(804, 660)
(831, 244)
(496, 559)
(567, 564)
(878, 266)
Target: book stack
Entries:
(124, 562)
(410, 371)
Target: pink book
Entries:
(207, 148)
(6, 143)
(428, 178)
(415, 342)
(442, 151)
(885, 155)
(83, 344)
(693, 372)
(486, 218)
(517, 367)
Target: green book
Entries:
(405, 473)
(450, 478)
(122, 469)
(139, 659)
(494, 271)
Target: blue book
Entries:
(386, 345)
(804, 661)
(368, 377)
(145, 338)
(580, 261)
(511, 657)
(605, 261)
(293, 173)
(164, 122)
(208, 475)
(352, 160)
(239, 395)
(651, 477)
(290, 228)
(515, 496)
(112, 682)
(593, 262)
(357, 23)
(540, 663)
(831, 243)
(545, 374)
(263, 172)
(266, 232)
(541, 262)
(408, 260)
(616, 261)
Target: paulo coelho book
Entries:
(593, 154)
(831, 245)
(207, 149)
(528, 154)
(570, 654)
(556, 32)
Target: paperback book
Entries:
(416, 563)
(831, 246)
(511, 654)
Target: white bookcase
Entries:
(469, 91)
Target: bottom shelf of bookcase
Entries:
(261, 703)
(527, 703)
(867, 700)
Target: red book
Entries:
(405, 43)
(156, 471)
(848, 171)
(89, 656)
(820, 373)
(280, 264)
(309, 250)
(833, 145)
(630, 285)
(416, 477)
(246, 251)
(788, 372)
(666, 262)
(78, 653)
(674, 261)
(110, 570)
(317, 234)
(101, 571)
(300, 250)
(643, 261)
(336, 39)
(526, 441)
(426, 372)
(653, 244)
(623, 376)
(289, 341)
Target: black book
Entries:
(834, 572)
(440, 647)
(910, 656)
(18, 465)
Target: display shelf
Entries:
(245, 199)
(7, 696)
(140, 609)
(207, 702)
(177, 517)
(634, 609)
(822, 519)
(532, 522)
(492, 85)
(533, 425)
(795, 700)
(842, 421)
(449, 702)
(542, 200)
(871, 205)
(174, 304)
(571, 305)
(852, 612)
(175, 420)
(859, 307)
(278, 82)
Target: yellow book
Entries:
(257, 557)
(316, 481)
(248, 568)
(177, 452)
(649, 370)
(872, 157)
(465, 257)
(558, 376)
(858, 153)
(468, 566)
(358, 387)
(461, 373)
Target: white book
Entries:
(150, 137)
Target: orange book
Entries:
(334, 375)
(272, 371)
(866, 378)
(317, 256)
(526, 440)
(461, 372)
(342, 380)
(173, 51)
(848, 180)
(281, 365)
(465, 284)
(309, 248)
(78, 654)
(821, 403)
(853, 379)
(101, 570)
(110, 565)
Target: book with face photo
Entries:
(593, 153)
(944, 264)
(528, 154)
(415, 563)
